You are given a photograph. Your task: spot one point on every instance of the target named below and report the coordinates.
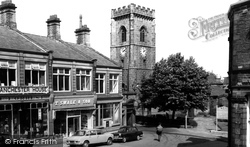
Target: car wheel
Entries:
(124, 139)
(86, 144)
(138, 137)
(109, 141)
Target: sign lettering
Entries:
(209, 28)
(72, 102)
(22, 90)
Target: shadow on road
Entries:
(193, 141)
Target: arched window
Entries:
(123, 33)
(142, 34)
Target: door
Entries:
(73, 125)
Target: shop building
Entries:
(107, 82)
(56, 86)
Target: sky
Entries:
(171, 19)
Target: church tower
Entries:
(133, 44)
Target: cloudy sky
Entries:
(172, 25)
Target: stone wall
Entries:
(239, 125)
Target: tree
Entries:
(176, 84)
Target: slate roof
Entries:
(10, 39)
(59, 48)
(102, 60)
(16, 40)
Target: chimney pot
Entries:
(8, 14)
(53, 24)
(82, 34)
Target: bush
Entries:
(193, 123)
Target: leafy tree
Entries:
(176, 84)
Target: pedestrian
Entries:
(159, 130)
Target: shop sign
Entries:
(20, 98)
(23, 90)
(76, 102)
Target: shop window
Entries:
(113, 83)
(35, 74)
(116, 113)
(106, 112)
(5, 121)
(100, 83)
(83, 79)
(61, 79)
(39, 120)
(8, 73)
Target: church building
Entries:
(133, 48)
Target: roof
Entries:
(102, 60)
(14, 40)
(59, 48)
(217, 90)
(235, 5)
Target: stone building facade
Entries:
(133, 47)
(239, 75)
(52, 87)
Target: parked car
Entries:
(128, 133)
(89, 136)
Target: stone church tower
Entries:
(133, 47)
(133, 43)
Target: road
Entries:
(172, 137)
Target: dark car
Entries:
(127, 133)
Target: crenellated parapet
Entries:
(133, 9)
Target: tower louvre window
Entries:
(123, 34)
(142, 34)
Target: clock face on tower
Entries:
(123, 51)
(143, 51)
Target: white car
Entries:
(89, 136)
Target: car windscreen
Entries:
(122, 130)
(79, 133)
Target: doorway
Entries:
(73, 125)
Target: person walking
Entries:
(159, 130)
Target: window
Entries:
(35, 74)
(123, 33)
(100, 83)
(61, 79)
(82, 79)
(142, 34)
(107, 112)
(8, 73)
(113, 83)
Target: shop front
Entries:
(108, 113)
(24, 116)
(72, 114)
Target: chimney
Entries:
(8, 14)
(82, 34)
(53, 24)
